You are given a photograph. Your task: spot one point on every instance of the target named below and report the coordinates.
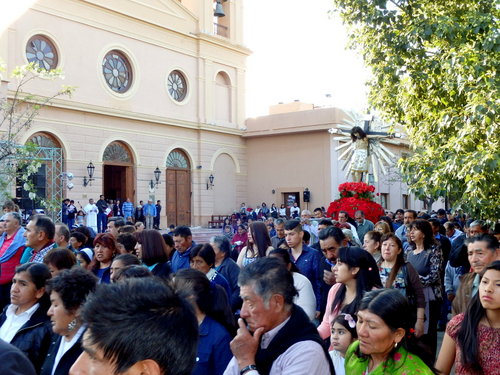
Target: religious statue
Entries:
(365, 153)
(359, 163)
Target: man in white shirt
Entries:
(91, 212)
(290, 343)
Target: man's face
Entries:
(101, 196)
(305, 216)
(399, 216)
(293, 238)
(359, 217)
(34, 238)
(342, 218)
(91, 201)
(280, 230)
(255, 312)
(408, 218)
(449, 230)
(111, 228)
(182, 244)
(480, 256)
(330, 248)
(318, 214)
(475, 230)
(11, 225)
(58, 237)
(92, 361)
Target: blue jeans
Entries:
(102, 222)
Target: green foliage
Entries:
(434, 67)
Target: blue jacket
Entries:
(149, 210)
(181, 261)
(309, 265)
(214, 352)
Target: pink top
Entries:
(325, 328)
(489, 347)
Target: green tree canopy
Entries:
(434, 67)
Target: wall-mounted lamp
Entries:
(90, 172)
(210, 183)
(157, 174)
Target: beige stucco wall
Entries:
(289, 151)
(157, 37)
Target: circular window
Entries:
(117, 71)
(176, 85)
(41, 51)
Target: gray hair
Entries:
(269, 276)
(223, 244)
(15, 215)
(279, 222)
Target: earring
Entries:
(395, 345)
(72, 325)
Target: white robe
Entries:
(91, 211)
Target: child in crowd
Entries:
(343, 335)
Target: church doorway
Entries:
(118, 172)
(178, 178)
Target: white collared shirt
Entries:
(13, 322)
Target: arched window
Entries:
(117, 152)
(177, 159)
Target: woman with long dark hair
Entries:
(427, 259)
(355, 272)
(258, 244)
(472, 339)
(24, 323)
(153, 252)
(386, 344)
(105, 250)
(216, 323)
(396, 273)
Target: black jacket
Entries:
(67, 360)
(33, 338)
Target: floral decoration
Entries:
(356, 196)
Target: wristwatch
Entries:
(248, 368)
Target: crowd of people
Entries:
(95, 215)
(270, 294)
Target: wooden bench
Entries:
(217, 221)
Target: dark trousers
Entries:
(430, 338)
(156, 222)
(102, 222)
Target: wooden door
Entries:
(178, 197)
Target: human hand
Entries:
(419, 328)
(328, 277)
(245, 345)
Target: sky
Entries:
(299, 53)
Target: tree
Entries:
(435, 71)
(18, 109)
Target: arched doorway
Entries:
(118, 172)
(178, 188)
(47, 180)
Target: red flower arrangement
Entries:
(356, 196)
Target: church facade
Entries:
(158, 84)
